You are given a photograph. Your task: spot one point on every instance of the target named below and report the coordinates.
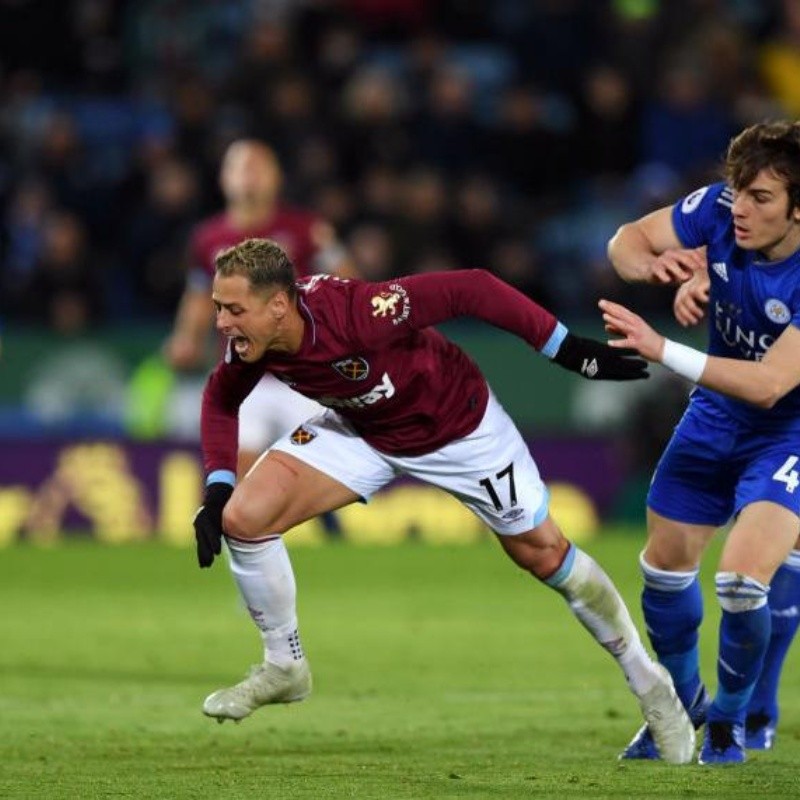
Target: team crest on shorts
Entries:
(354, 369)
(301, 435)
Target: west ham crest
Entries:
(354, 369)
(302, 435)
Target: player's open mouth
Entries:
(240, 344)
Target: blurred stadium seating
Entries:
(510, 135)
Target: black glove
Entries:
(208, 522)
(597, 361)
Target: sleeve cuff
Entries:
(221, 476)
(554, 342)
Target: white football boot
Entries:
(668, 721)
(265, 683)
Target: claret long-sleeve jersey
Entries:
(369, 351)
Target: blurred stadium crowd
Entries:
(434, 134)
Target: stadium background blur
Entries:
(512, 135)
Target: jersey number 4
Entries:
(788, 474)
(508, 472)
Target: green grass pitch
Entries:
(439, 672)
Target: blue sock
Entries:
(673, 610)
(743, 638)
(784, 606)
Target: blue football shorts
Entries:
(713, 467)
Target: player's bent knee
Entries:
(240, 521)
(548, 560)
(539, 551)
(674, 546)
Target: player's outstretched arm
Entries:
(760, 383)
(419, 301)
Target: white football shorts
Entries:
(270, 411)
(491, 471)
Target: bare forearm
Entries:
(649, 251)
(184, 349)
(750, 381)
(195, 315)
(631, 254)
(754, 382)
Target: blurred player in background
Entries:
(250, 179)
(401, 399)
(736, 451)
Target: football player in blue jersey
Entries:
(736, 452)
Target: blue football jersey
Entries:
(751, 301)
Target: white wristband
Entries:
(685, 361)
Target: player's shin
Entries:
(743, 638)
(672, 604)
(784, 606)
(597, 604)
(264, 575)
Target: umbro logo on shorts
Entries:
(302, 435)
(354, 369)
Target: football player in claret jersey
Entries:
(400, 399)
(736, 452)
